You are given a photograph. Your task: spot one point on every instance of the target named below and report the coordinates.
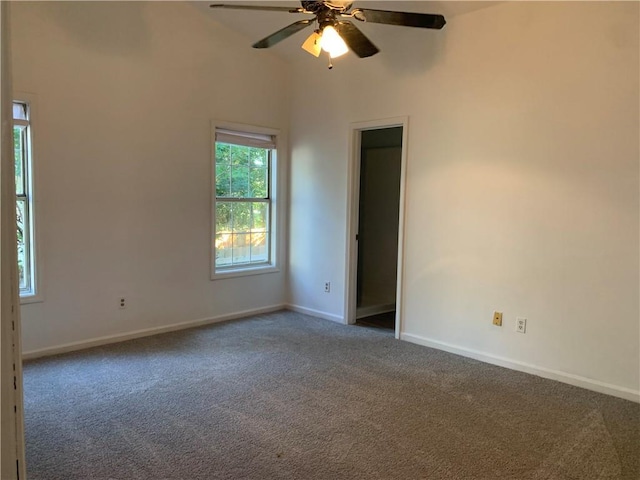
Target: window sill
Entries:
(244, 272)
(27, 299)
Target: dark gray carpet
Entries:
(287, 396)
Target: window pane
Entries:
(258, 157)
(259, 247)
(224, 249)
(260, 219)
(260, 232)
(19, 111)
(239, 182)
(223, 217)
(241, 217)
(241, 248)
(223, 154)
(258, 183)
(19, 156)
(239, 155)
(242, 233)
(23, 242)
(223, 180)
(241, 171)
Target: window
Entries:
(243, 213)
(24, 198)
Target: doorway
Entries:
(376, 224)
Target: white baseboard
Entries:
(121, 337)
(364, 312)
(316, 313)
(576, 380)
(564, 377)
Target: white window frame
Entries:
(34, 292)
(274, 238)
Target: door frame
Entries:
(12, 446)
(353, 208)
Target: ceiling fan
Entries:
(335, 34)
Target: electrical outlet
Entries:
(497, 319)
(122, 302)
(327, 287)
(521, 325)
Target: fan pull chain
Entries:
(330, 64)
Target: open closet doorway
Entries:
(376, 225)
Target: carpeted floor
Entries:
(287, 396)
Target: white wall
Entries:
(522, 183)
(522, 191)
(125, 95)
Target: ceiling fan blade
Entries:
(408, 19)
(256, 7)
(280, 35)
(356, 40)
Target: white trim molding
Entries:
(353, 194)
(315, 313)
(569, 378)
(147, 332)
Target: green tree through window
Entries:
(243, 205)
(23, 184)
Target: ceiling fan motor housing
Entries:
(326, 17)
(316, 6)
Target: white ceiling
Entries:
(255, 25)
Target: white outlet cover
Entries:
(521, 325)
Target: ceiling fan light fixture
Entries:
(312, 44)
(332, 43)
